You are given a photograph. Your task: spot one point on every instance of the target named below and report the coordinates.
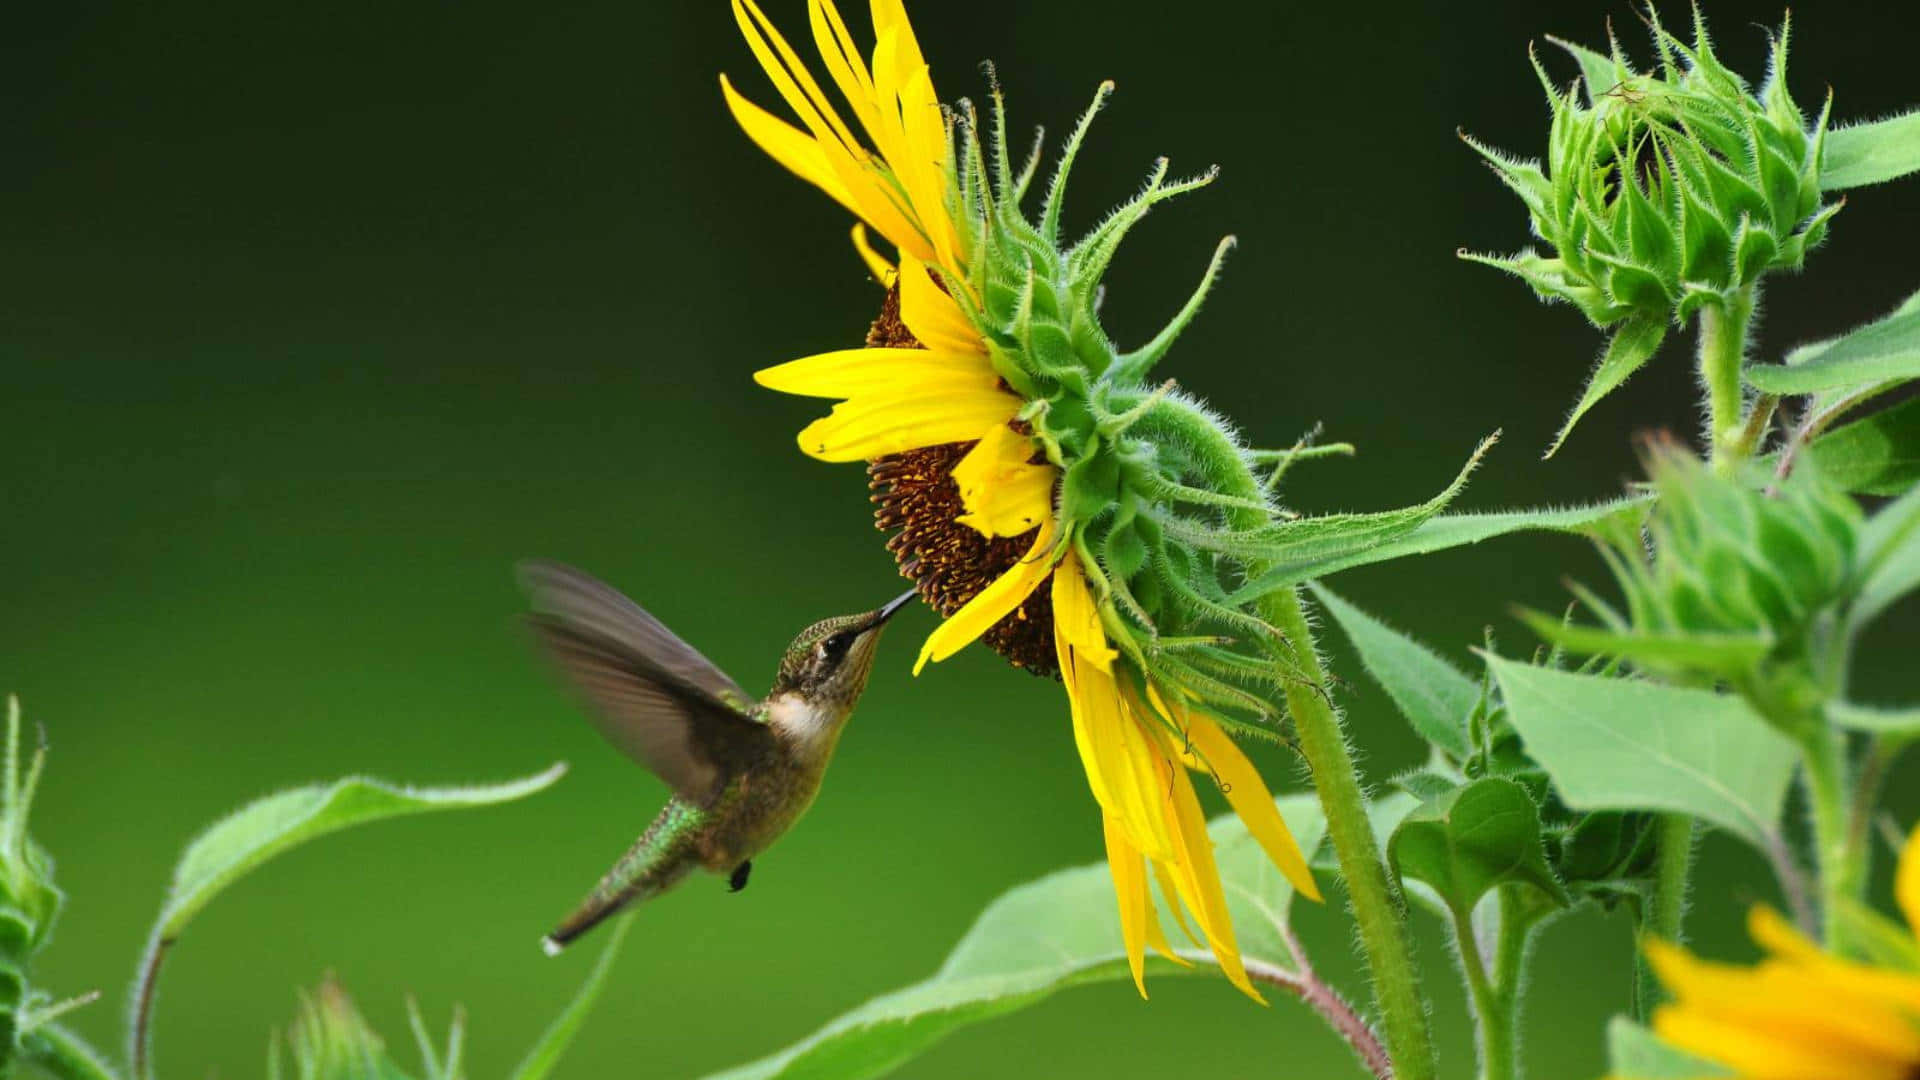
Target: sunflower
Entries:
(1802, 1013)
(1011, 447)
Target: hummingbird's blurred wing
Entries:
(650, 693)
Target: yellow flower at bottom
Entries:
(1801, 1013)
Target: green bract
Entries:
(1727, 579)
(1173, 518)
(1666, 193)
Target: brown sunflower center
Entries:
(949, 563)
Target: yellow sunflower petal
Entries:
(1170, 892)
(843, 60)
(1906, 882)
(875, 425)
(1003, 494)
(1248, 795)
(845, 373)
(1766, 1054)
(1199, 878)
(799, 152)
(1075, 618)
(877, 264)
(1130, 889)
(1773, 932)
(790, 75)
(1000, 597)
(1124, 769)
(932, 314)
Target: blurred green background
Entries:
(314, 319)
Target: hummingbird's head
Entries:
(828, 664)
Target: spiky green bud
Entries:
(29, 901)
(1666, 192)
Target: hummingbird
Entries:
(742, 771)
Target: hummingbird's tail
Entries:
(662, 856)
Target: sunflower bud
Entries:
(1729, 582)
(1666, 192)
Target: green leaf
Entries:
(1630, 347)
(1624, 744)
(1436, 534)
(1062, 930)
(1905, 722)
(559, 1035)
(1862, 154)
(1470, 839)
(1433, 695)
(1635, 1052)
(1875, 455)
(255, 833)
(1887, 350)
(1889, 554)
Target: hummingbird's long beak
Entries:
(890, 609)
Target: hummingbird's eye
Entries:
(835, 646)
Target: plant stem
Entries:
(1379, 910)
(1723, 350)
(1843, 864)
(1323, 999)
(1492, 1005)
(1667, 908)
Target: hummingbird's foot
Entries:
(739, 879)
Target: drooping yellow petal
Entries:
(845, 373)
(932, 315)
(1130, 889)
(882, 270)
(1170, 892)
(875, 425)
(1195, 870)
(1774, 997)
(1076, 619)
(1765, 1054)
(1003, 494)
(999, 598)
(1906, 881)
(1773, 932)
(1247, 793)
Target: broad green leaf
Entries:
(1627, 351)
(1433, 695)
(1636, 1053)
(1062, 930)
(1624, 744)
(1721, 654)
(1436, 534)
(1879, 721)
(1887, 350)
(1468, 840)
(1889, 555)
(1862, 154)
(559, 1035)
(255, 833)
(1875, 455)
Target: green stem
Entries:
(1843, 864)
(1723, 350)
(1379, 910)
(1492, 1005)
(1667, 907)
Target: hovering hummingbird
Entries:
(742, 771)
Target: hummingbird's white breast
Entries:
(810, 728)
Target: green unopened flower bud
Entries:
(1668, 190)
(331, 1041)
(1726, 560)
(29, 902)
(1666, 193)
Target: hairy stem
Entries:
(1379, 910)
(1339, 1014)
(1492, 1004)
(1843, 863)
(1666, 911)
(1723, 350)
